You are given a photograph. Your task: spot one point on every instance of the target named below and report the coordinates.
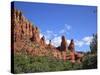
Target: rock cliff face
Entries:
(23, 29)
(25, 38)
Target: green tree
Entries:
(93, 44)
(90, 59)
(90, 62)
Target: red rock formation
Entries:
(50, 45)
(35, 34)
(42, 41)
(64, 55)
(23, 28)
(78, 57)
(74, 56)
(71, 46)
(63, 46)
(26, 38)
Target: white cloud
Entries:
(62, 31)
(49, 31)
(68, 42)
(49, 34)
(56, 41)
(87, 39)
(79, 43)
(68, 27)
(65, 30)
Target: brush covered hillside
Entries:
(30, 53)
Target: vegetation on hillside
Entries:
(27, 64)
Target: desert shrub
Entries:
(24, 64)
(27, 64)
(77, 66)
(67, 65)
(20, 61)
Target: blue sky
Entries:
(54, 20)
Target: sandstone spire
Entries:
(63, 44)
(49, 43)
(35, 34)
(42, 41)
(71, 46)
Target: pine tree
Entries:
(93, 44)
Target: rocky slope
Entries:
(26, 39)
